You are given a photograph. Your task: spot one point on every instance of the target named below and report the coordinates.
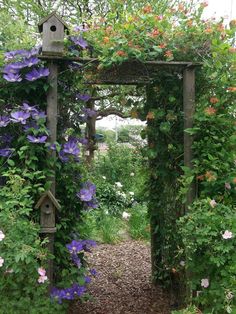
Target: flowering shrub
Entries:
(209, 238)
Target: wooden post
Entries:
(53, 30)
(52, 112)
(189, 108)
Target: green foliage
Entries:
(125, 165)
(99, 225)
(209, 255)
(139, 226)
(22, 250)
(189, 310)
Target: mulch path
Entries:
(123, 283)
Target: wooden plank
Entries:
(52, 112)
(96, 60)
(189, 108)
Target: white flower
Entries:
(104, 177)
(42, 279)
(106, 212)
(125, 215)
(229, 295)
(118, 184)
(205, 283)
(2, 235)
(123, 194)
(227, 235)
(131, 193)
(182, 263)
(213, 203)
(9, 271)
(1, 261)
(228, 309)
(227, 185)
(132, 174)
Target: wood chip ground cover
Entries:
(123, 284)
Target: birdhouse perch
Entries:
(53, 29)
(48, 205)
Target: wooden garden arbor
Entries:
(138, 74)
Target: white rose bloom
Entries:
(131, 193)
(126, 215)
(1, 261)
(2, 235)
(118, 184)
(132, 174)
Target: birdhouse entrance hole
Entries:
(53, 28)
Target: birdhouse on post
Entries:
(53, 29)
(48, 205)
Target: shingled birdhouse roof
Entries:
(40, 24)
(51, 197)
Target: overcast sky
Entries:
(217, 8)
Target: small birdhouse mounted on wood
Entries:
(53, 29)
(48, 205)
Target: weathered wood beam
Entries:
(96, 60)
(189, 108)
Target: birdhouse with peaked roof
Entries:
(48, 205)
(53, 30)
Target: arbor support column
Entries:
(189, 108)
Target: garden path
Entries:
(123, 284)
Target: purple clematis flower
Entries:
(88, 244)
(71, 147)
(81, 28)
(79, 41)
(39, 115)
(76, 260)
(12, 77)
(6, 152)
(36, 74)
(63, 157)
(85, 195)
(30, 109)
(4, 121)
(31, 61)
(83, 97)
(17, 65)
(83, 141)
(39, 139)
(9, 69)
(75, 247)
(93, 272)
(20, 116)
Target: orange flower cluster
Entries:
(162, 46)
(234, 180)
(168, 54)
(210, 176)
(154, 33)
(147, 9)
(232, 49)
(150, 116)
(204, 4)
(106, 40)
(121, 53)
(214, 100)
(210, 111)
(231, 89)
